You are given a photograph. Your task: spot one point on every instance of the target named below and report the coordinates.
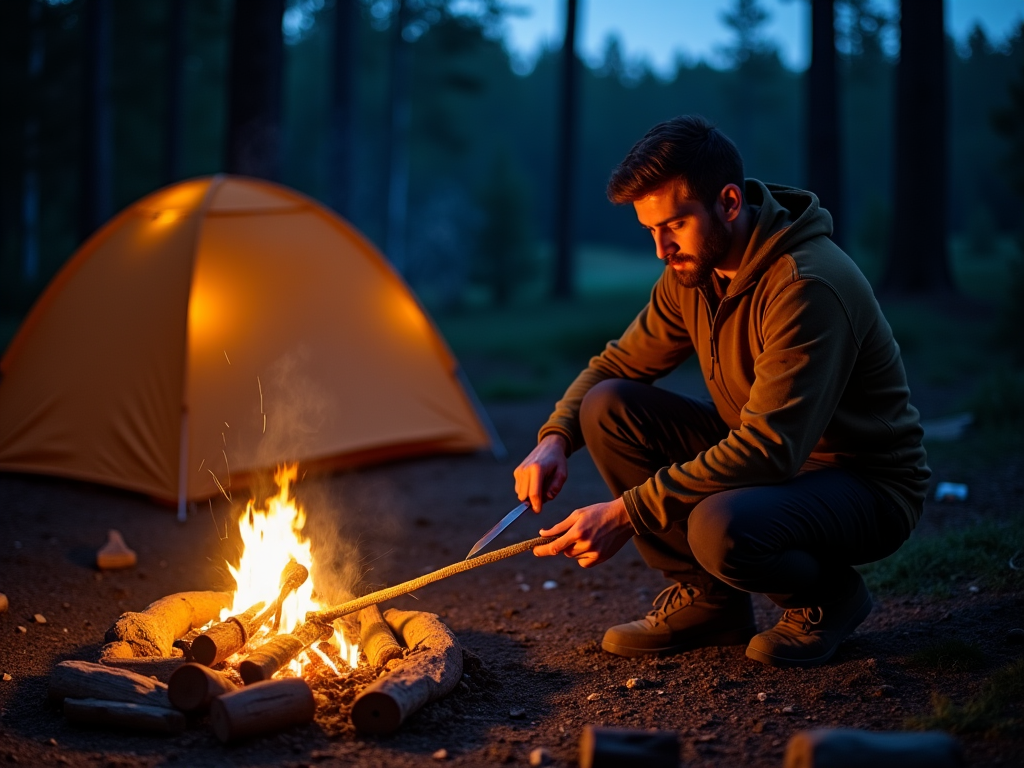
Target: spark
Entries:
(264, 423)
(201, 465)
(227, 425)
(226, 357)
(260, 385)
(226, 494)
(224, 439)
(228, 467)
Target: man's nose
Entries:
(663, 245)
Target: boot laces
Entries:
(804, 618)
(671, 599)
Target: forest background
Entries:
(483, 141)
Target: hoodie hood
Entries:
(785, 218)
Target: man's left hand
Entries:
(591, 534)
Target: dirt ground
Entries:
(537, 675)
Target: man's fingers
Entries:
(560, 527)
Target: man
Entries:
(807, 462)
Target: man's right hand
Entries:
(543, 472)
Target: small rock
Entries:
(4, 605)
(885, 691)
(441, 754)
(22, 629)
(549, 584)
(66, 606)
(788, 710)
(1015, 636)
(974, 589)
(7, 678)
(517, 713)
(635, 682)
(758, 726)
(594, 697)
(660, 693)
(762, 696)
(52, 742)
(39, 618)
(524, 587)
(540, 756)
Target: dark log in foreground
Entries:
(850, 748)
(222, 640)
(262, 708)
(431, 670)
(120, 714)
(161, 669)
(376, 640)
(153, 631)
(192, 687)
(275, 653)
(624, 748)
(85, 680)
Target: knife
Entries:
(502, 524)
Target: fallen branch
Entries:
(153, 631)
(262, 663)
(85, 680)
(192, 687)
(262, 708)
(327, 615)
(431, 670)
(120, 714)
(376, 640)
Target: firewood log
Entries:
(431, 670)
(278, 651)
(223, 639)
(262, 708)
(851, 748)
(624, 748)
(120, 714)
(153, 631)
(161, 669)
(376, 640)
(85, 680)
(192, 687)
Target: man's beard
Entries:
(711, 253)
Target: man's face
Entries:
(687, 237)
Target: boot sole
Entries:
(729, 637)
(784, 661)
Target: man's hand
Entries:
(543, 472)
(591, 534)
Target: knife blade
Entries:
(501, 525)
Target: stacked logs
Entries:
(158, 669)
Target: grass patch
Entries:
(985, 712)
(935, 564)
(950, 656)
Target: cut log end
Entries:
(193, 687)
(261, 708)
(377, 713)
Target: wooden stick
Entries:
(376, 640)
(153, 631)
(231, 635)
(192, 687)
(161, 669)
(275, 653)
(430, 672)
(328, 615)
(262, 708)
(120, 714)
(85, 680)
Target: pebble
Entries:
(7, 678)
(540, 756)
(524, 587)
(885, 691)
(762, 696)
(67, 605)
(549, 584)
(4, 605)
(39, 618)
(788, 710)
(635, 682)
(22, 629)
(52, 742)
(973, 589)
(517, 713)
(441, 754)
(594, 697)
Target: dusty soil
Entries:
(536, 672)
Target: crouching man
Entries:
(807, 461)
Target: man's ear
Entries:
(730, 199)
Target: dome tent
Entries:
(216, 328)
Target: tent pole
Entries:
(183, 469)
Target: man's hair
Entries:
(687, 148)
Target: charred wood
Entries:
(275, 653)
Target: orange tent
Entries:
(219, 327)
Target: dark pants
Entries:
(795, 541)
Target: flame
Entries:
(272, 537)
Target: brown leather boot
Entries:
(805, 637)
(684, 618)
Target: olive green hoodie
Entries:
(799, 360)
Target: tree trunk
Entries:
(174, 116)
(96, 184)
(918, 259)
(398, 133)
(824, 175)
(343, 101)
(563, 287)
(255, 90)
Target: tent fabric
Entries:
(215, 329)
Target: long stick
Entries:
(330, 614)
